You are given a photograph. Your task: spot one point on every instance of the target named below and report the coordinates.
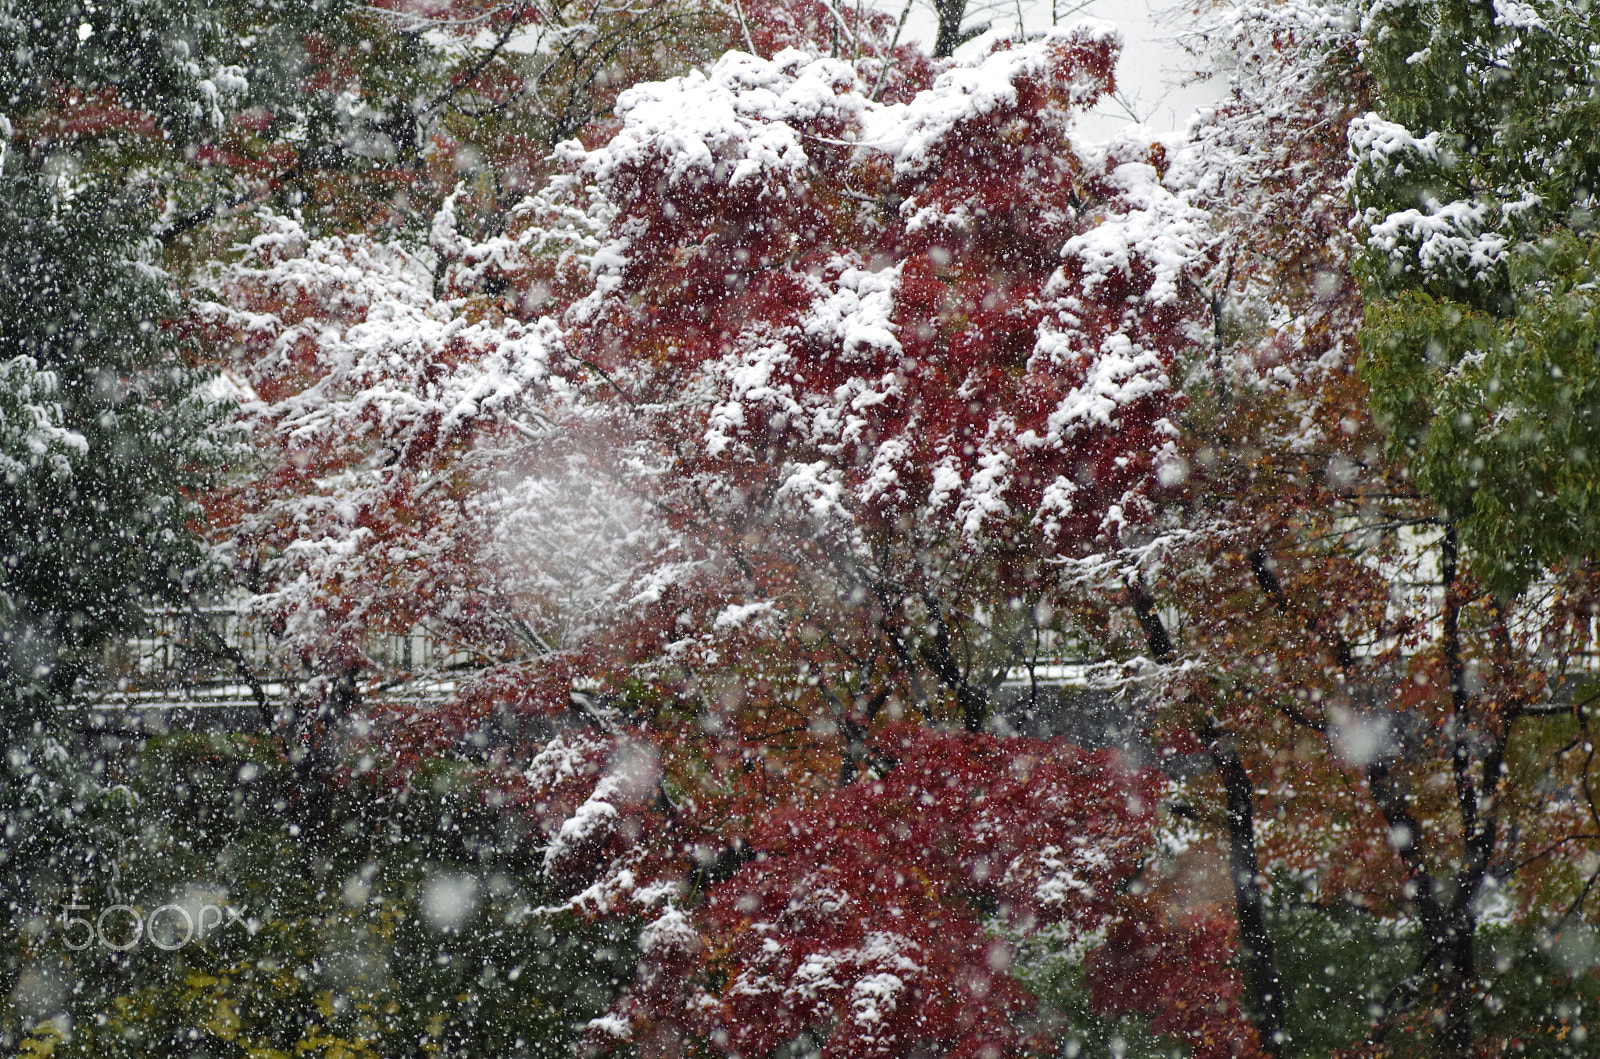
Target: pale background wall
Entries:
(1156, 76)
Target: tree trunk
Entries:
(1456, 965)
(1261, 978)
(951, 13)
(314, 759)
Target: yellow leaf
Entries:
(224, 1022)
(41, 1043)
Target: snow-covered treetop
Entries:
(782, 403)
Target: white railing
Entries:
(225, 655)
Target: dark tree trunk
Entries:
(951, 13)
(1456, 964)
(938, 653)
(1446, 903)
(1261, 978)
(1155, 631)
(313, 755)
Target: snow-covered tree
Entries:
(733, 470)
(98, 526)
(1475, 176)
(754, 517)
(1390, 738)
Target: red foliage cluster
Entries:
(1177, 965)
(942, 310)
(867, 910)
(868, 913)
(748, 528)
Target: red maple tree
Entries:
(748, 529)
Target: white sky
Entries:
(1154, 71)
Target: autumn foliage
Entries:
(865, 910)
(736, 474)
(745, 473)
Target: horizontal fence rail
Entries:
(220, 667)
(225, 656)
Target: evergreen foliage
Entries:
(97, 526)
(417, 925)
(1477, 189)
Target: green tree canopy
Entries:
(1476, 186)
